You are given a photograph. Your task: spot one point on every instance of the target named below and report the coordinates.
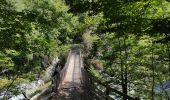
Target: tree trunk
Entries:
(123, 74)
(153, 74)
(126, 70)
(168, 51)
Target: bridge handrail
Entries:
(109, 89)
(61, 72)
(89, 82)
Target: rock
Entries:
(18, 97)
(40, 82)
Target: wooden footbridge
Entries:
(72, 82)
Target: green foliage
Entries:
(133, 41)
(130, 38)
(31, 30)
(134, 56)
(35, 28)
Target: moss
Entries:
(4, 82)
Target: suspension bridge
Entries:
(73, 82)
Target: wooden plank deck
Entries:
(71, 88)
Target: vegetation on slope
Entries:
(32, 34)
